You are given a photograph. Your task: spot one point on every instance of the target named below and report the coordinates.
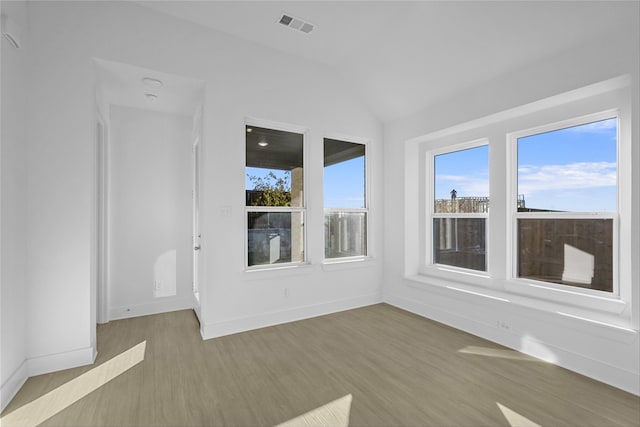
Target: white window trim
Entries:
(367, 202)
(589, 298)
(612, 94)
(268, 124)
(429, 265)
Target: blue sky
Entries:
(571, 169)
(344, 185)
(465, 171)
(262, 173)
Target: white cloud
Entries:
(344, 202)
(453, 178)
(465, 185)
(602, 125)
(345, 199)
(573, 176)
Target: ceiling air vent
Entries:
(296, 23)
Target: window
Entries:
(274, 191)
(460, 206)
(566, 203)
(562, 233)
(345, 204)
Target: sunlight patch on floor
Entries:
(514, 419)
(333, 414)
(499, 353)
(46, 406)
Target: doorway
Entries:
(147, 168)
(196, 235)
(100, 189)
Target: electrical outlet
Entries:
(156, 285)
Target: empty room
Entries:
(320, 213)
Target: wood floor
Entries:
(401, 369)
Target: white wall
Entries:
(242, 79)
(13, 204)
(603, 352)
(149, 212)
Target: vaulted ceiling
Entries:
(400, 56)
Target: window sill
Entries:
(454, 274)
(543, 291)
(507, 289)
(470, 283)
(275, 270)
(592, 314)
(347, 263)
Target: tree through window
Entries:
(274, 192)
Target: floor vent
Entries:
(296, 23)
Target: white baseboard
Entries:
(10, 388)
(228, 327)
(43, 365)
(598, 370)
(57, 362)
(162, 305)
(198, 311)
(81, 357)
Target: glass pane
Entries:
(571, 170)
(576, 252)
(461, 181)
(274, 168)
(344, 174)
(275, 237)
(345, 234)
(460, 242)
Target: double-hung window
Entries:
(565, 206)
(345, 204)
(274, 191)
(562, 231)
(460, 206)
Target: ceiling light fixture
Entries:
(249, 130)
(151, 96)
(263, 143)
(151, 82)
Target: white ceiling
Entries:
(122, 84)
(403, 56)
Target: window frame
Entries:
(430, 214)
(613, 94)
(285, 127)
(514, 215)
(367, 201)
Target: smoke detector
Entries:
(151, 82)
(296, 23)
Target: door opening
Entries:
(100, 180)
(195, 197)
(142, 213)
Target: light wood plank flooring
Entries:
(402, 370)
